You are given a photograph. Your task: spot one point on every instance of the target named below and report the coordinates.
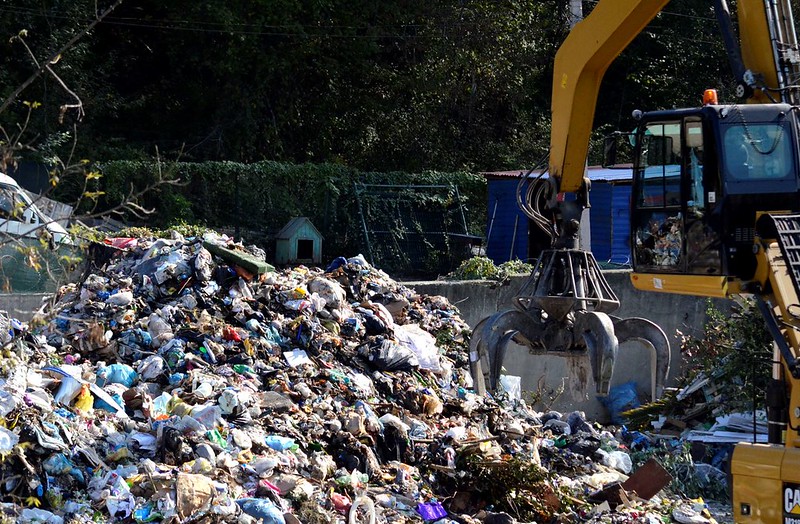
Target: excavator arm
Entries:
(766, 66)
(764, 59)
(769, 50)
(580, 64)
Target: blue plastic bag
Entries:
(620, 399)
(263, 509)
(102, 404)
(116, 374)
(279, 443)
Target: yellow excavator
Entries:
(715, 211)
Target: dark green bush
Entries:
(259, 199)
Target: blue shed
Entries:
(507, 227)
(511, 235)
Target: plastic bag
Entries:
(421, 343)
(388, 356)
(135, 339)
(431, 510)
(203, 265)
(279, 443)
(297, 357)
(207, 416)
(8, 440)
(618, 460)
(620, 399)
(151, 367)
(362, 502)
(38, 516)
(512, 385)
(159, 329)
(123, 298)
(332, 292)
(116, 374)
(336, 264)
(58, 464)
(262, 509)
(67, 391)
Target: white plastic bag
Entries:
(421, 343)
(512, 385)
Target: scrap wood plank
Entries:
(648, 480)
(240, 258)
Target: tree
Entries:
(374, 85)
(47, 133)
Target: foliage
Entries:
(675, 456)
(412, 86)
(476, 268)
(517, 486)
(483, 268)
(260, 198)
(516, 267)
(186, 230)
(735, 349)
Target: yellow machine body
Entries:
(766, 478)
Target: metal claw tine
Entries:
(652, 336)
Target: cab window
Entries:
(757, 152)
(660, 166)
(657, 223)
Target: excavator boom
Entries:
(580, 64)
(769, 50)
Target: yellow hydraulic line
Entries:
(785, 297)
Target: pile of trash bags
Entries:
(171, 384)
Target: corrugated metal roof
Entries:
(293, 225)
(596, 173)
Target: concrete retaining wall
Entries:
(21, 306)
(566, 383)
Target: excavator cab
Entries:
(700, 176)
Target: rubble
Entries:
(171, 385)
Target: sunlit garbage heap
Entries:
(173, 385)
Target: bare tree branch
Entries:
(13, 96)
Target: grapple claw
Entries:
(649, 334)
(601, 343)
(563, 310)
(490, 339)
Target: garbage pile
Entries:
(176, 385)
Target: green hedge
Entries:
(260, 198)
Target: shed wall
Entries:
(503, 213)
(601, 223)
(609, 222)
(621, 224)
(282, 251)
